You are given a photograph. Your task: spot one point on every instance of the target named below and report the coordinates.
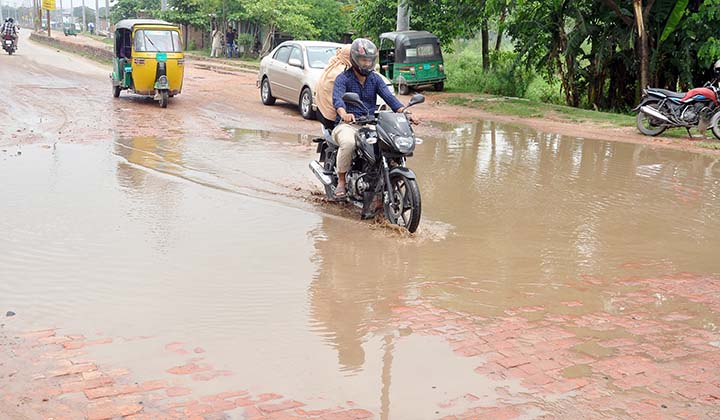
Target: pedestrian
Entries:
(216, 43)
(229, 43)
(91, 27)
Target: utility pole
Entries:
(2, 18)
(163, 5)
(84, 17)
(97, 16)
(107, 15)
(403, 16)
(33, 14)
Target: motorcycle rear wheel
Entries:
(645, 122)
(407, 200)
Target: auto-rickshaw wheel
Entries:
(116, 91)
(439, 86)
(164, 97)
(403, 89)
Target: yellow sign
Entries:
(48, 4)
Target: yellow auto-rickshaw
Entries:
(149, 59)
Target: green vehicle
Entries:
(412, 58)
(69, 29)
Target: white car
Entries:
(291, 71)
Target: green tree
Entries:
(330, 17)
(291, 16)
(126, 9)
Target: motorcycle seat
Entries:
(668, 93)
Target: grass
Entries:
(713, 145)
(245, 61)
(103, 39)
(526, 108)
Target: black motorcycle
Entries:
(378, 176)
(661, 109)
(8, 44)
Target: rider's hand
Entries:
(348, 118)
(413, 119)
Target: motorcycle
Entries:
(384, 142)
(661, 109)
(8, 44)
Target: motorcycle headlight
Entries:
(404, 144)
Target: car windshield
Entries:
(157, 41)
(318, 57)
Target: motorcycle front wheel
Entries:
(408, 207)
(647, 124)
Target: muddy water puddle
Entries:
(220, 245)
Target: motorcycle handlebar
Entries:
(364, 120)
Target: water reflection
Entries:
(151, 196)
(357, 283)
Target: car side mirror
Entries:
(295, 63)
(416, 99)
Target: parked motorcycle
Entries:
(378, 175)
(8, 44)
(661, 109)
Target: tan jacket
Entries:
(324, 88)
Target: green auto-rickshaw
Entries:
(412, 58)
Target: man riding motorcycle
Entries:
(9, 28)
(360, 79)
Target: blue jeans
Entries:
(230, 50)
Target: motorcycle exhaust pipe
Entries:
(654, 113)
(320, 173)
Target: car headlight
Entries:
(404, 144)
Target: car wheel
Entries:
(266, 93)
(306, 105)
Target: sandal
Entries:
(340, 194)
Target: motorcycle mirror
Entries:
(416, 99)
(352, 98)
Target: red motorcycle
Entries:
(661, 109)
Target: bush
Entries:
(505, 77)
(542, 91)
(245, 41)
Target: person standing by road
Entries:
(229, 43)
(216, 43)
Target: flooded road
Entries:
(166, 245)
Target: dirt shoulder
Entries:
(239, 105)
